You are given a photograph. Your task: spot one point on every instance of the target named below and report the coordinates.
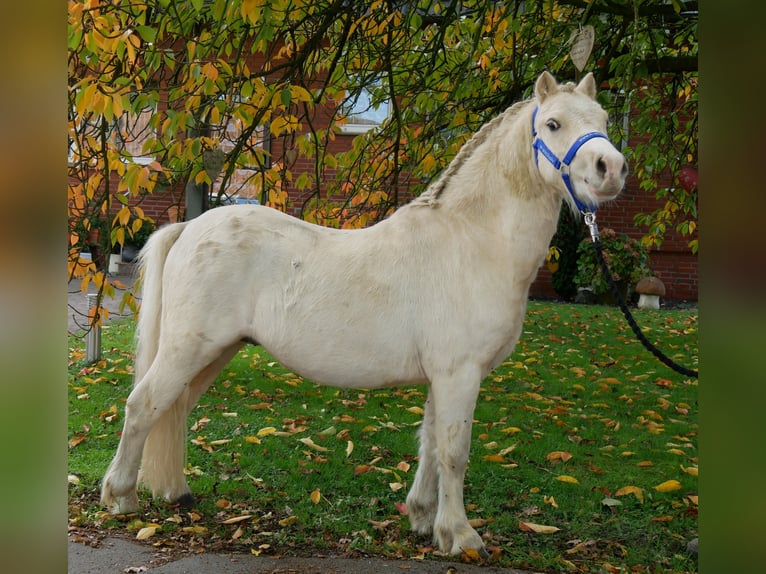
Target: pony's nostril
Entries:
(601, 166)
(624, 168)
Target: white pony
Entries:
(433, 295)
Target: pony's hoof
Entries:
(186, 500)
(123, 505)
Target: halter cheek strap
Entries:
(562, 165)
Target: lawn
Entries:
(584, 453)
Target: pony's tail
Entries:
(164, 450)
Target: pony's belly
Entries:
(341, 368)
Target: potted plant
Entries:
(628, 261)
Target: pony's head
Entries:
(570, 146)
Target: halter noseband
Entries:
(563, 164)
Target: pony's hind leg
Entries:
(165, 382)
(422, 498)
(164, 454)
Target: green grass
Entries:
(579, 398)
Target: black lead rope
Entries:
(590, 220)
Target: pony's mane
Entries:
(431, 195)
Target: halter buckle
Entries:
(590, 221)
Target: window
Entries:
(362, 112)
(252, 158)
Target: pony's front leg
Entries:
(422, 499)
(454, 400)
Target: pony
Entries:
(433, 295)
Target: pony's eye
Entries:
(553, 125)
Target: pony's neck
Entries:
(494, 169)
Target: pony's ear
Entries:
(545, 86)
(587, 86)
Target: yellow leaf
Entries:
(537, 528)
(511, 430)
(197, 530)
(265, 431)
(415, 410)
(253, 439)
(236, 519)
(146, 532)
(349, 448)
(494, 458)
(558, 455)
(316, 496)
(288, 521)
(668, 486)
(311, 444)
(550, 500)
(567, 478)
(692, 470)
(395, 486)
(635, 490)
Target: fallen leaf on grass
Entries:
(668, 486)
(567, 478)
(494, 458)
(316, 496)
(311, 444)
(556, 455)
(288, 521)
(692, 470)
(147, 532)
(537, 528)
(235, 519)
(634, 490)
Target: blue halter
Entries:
(563, 164)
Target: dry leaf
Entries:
(558, 455)
(236, 519)
(537, 528)
(692, 470)
(311, 444)
(349, 448)
(567, 478)
(288, 521)
(494, 458)
(146, 532)
(266, 431)
(634, 490)
(316, 496)
(668, 486)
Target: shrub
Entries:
(569, 234)
(627, 259)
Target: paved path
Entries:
(119, 556)
(77, 311)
